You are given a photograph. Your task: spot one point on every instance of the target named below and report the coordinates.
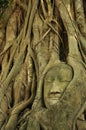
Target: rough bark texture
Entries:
(43, 65)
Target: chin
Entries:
(52, 102)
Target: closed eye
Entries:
(65, 80)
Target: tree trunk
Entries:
(42, 65)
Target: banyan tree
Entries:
(42, 64)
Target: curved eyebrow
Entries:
(65, 77)
(49, 77)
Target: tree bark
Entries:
(43, 65)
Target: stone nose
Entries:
(55, 88)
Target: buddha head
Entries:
(56, 81)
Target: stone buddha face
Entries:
(55, 82)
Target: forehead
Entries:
(61, 71)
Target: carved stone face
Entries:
(55, 82)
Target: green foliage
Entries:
(4, 4)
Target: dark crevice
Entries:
(11, 66)
(64, 44)
(0, 68)
(84, 5)
(85, 114)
